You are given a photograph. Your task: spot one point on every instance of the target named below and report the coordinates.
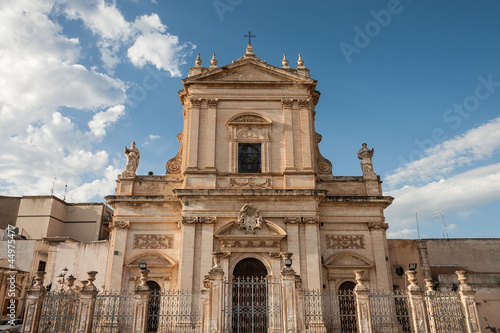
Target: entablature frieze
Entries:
(301, 219)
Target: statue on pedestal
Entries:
(365, 155)
(132, 161)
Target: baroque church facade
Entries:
(250, 184)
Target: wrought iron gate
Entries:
(59, 312)
(252, 305)
(390, 313)
(113, 313)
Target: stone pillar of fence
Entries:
(467, 296)
(215, 296)
(289, 295)
(362, 304)
(300, 304)
(141, 304)
(88, 295)
(417, 305)
(431, 290)
(34, 302)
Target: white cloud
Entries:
(404, 233)
(455, 195)
(153, 137)
(477, 144)
(105, 119)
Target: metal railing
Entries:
(113, 313)
(390, 313)
(59, 312)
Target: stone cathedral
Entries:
(249, 183)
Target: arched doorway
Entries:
(154, 306)
(347, 307)
(249, 297)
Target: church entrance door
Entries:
(252, 301)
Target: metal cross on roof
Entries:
(249, 36)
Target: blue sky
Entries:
(417, 80)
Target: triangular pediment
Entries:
(249, 71)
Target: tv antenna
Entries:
(53, 186)
(442, 220)
(416, 218)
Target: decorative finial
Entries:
(213, 62)
(197, 61)
(300, 62)
(284, 62)
(250, 36)
(249, 52)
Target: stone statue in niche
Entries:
(132, 161)
(249, 218)
(365, 155)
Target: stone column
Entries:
(34, 302)
(289, 296)
(141, 305)
(215, 296)
(467, 296)
(87, 302)
(193, 134)
(186, 269)
(417, 306)
(362, 304)
(288, 135)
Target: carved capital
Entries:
(311, 220)
(286, 103)
(196, 102)
(212, 103)
(303, 103)
(120, 225)
(207, 219)
(190, 219)
(293, 220)
(378, 225)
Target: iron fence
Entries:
(113, 313)
(175, 311)
(445, 312)
(329, 313)
(59, 312)
(252, 305)
(389, 312)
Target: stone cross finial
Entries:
(249, 37)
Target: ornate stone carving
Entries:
(249, 218)
(303, 103)
(175, 163)
(248, 119)
(345, 242)
(293, 220)
(212, 103)
(310, 220)
(378, 225)
(150, 241)
(190, 219)
(315, 97)
(365, 155)
(286, 103)
(324, 166)
(250, 182)
(249, 243)
(298, 282)
(207, 219)
(196, 102)
(275, 255)
(132, 161)
(120, 225)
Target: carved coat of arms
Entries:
(249, 218)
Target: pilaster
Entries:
(193, 134)
(377, 231)
(312, 253)
(289, 158)
(210, 133)
(305, 135)
(34, 302)
(467, 296)
(207, 243)
(186, 269)
(417, 305)
(116, 254)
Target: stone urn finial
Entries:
(38, 286)
(462, 277)
(430, 285)
(89, 286)
(197, 61)
(143, 286)
(359, 280)
(213, 62)
(284, 62)
(300, 62)
(411, 276)
(70, 282)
